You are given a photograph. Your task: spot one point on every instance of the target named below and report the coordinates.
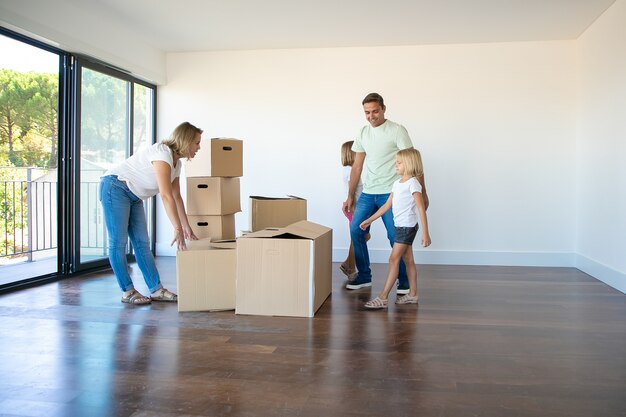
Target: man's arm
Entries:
(355, 176)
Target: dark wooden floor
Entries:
(484, 341)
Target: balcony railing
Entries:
(28, 211)
(28, 215)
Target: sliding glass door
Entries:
(64, 120)
(115, 115)
(29, 130)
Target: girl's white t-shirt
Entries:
(403, 205)
(139, 173)
(346, 182)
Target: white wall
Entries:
(601, 149)
(87, 28)
(495, 124)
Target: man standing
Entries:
(376, 146)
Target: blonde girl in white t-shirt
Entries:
(406, 202)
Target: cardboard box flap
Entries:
(289, 197)
(199, 244)
(287, 235)
(224, 243)
(269, 232)
(303, 229)
(307, 229)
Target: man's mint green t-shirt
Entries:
(381, 144)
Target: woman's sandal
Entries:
(164, 295)
(376, 303)
(136, 297)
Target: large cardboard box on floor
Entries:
(212, 196)
(215, 227)
(284, 271)
(275, 212)
(205, 276)
(217, 157)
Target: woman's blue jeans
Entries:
(366, 205)
(125, 218)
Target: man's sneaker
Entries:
(352, 276)
(402, 289)
(358, 283)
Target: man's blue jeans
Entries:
(366, 205)
(125, 218)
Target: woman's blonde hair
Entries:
(412, 161)
(181, 138)
(347, 155)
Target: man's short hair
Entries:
(374, 98)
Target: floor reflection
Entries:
(471, 345)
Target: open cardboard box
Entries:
(284, 271)
(275, 212)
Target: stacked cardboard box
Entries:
(213, 195)
(205, 272)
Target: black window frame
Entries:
(68, 143)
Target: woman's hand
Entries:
(189, 234)
(179, 239)
(365, 224)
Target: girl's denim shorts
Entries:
(406, 235)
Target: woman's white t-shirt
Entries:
(403, 205)
(139, 173)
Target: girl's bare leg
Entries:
(397, 253)
(350, 262)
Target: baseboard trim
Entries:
(607, 275)
(602, 272)
(556, 259)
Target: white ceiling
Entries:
(199, 25)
